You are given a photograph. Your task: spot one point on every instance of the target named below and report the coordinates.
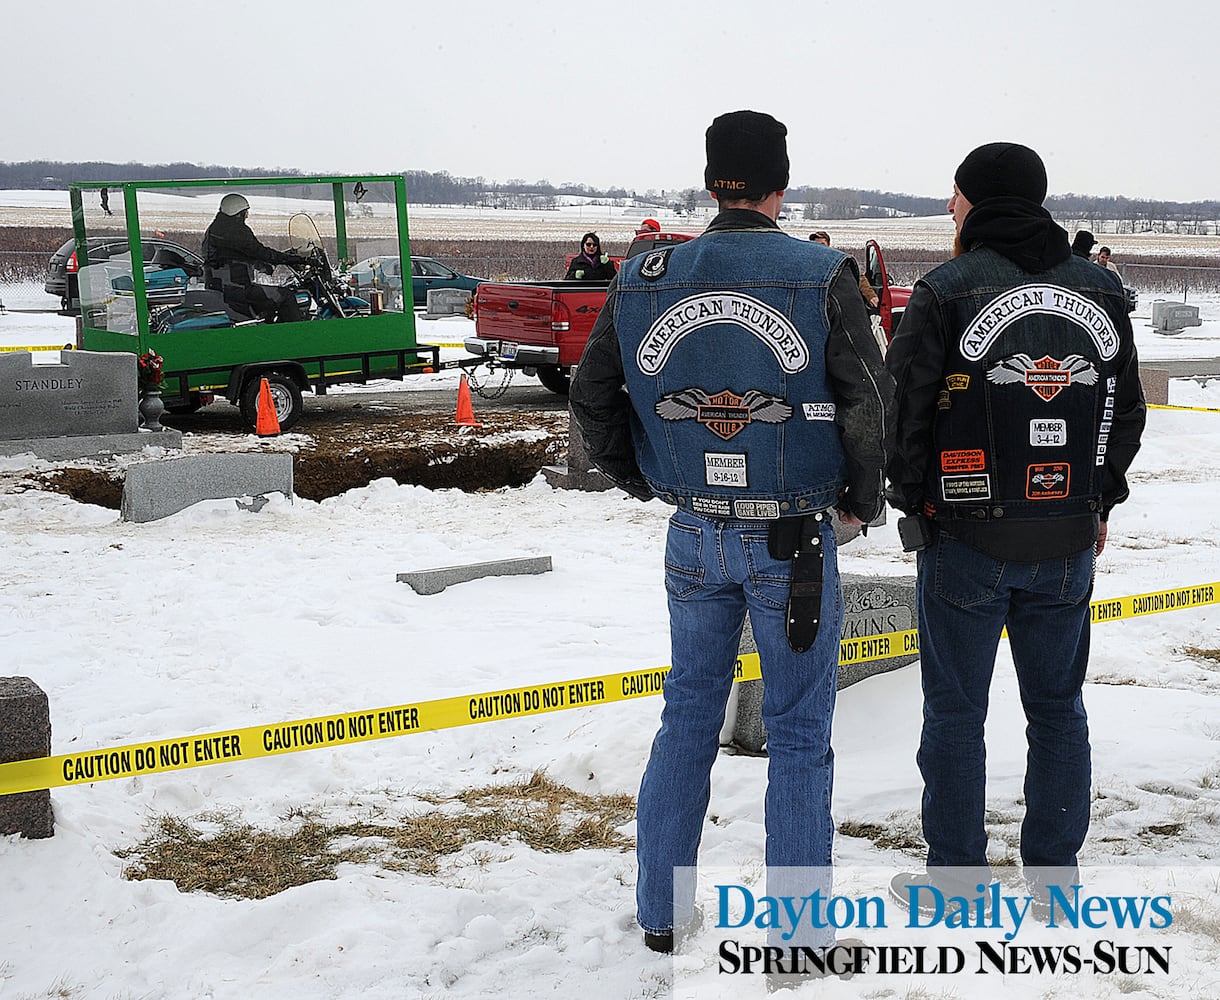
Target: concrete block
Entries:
(433, 581)
(25, 733)
(154, 490)
(446, 302)
(1156, 384)
(85, 393)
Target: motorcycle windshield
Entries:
(303, 233)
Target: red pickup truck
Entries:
(541, 327)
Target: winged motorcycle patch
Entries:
(724, 414)
(1046, 376)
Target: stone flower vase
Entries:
(151, 408)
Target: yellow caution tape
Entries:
(276, 739)
(36, 347)
(1196, 409)
(439, 343)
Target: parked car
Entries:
(158, 252)
(426, 272)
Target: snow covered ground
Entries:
(217, 618)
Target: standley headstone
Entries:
(86, 393)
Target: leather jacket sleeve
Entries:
(864, 394)
(1127, 427)
(600, 407)
(916, 361)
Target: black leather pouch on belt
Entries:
(800, 539)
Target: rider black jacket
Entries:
(1019, 401)
(229, 240)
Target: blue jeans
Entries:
(714, 572)
(964, 600)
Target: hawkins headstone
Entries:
(871, 606)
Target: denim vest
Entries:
(724, 352)
(1023, 417)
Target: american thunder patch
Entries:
(1047, 376)
(725, 414)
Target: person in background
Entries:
(754, 421)
(231, 256)
(1083, 243)
(591, 264)
(1019, 412)
(106, 201)
(648, 226)
(866, 290)
(1103, 258)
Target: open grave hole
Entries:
(334, 456)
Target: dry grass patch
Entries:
(883, 837)
(239, 861)
(1210, 657)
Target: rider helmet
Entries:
(234, 204)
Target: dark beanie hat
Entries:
(1002, 170)
(747, 153)
(1083, 241)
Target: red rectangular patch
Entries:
(1048, 481)
(966, 460)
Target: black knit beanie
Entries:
(1002, 170)
(1082, 244)
(747, 154)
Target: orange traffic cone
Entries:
(465, 411)
(267, 424)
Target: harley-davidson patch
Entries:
(1046, 376)
(724, 414)
(1048, 481)
(963, 460)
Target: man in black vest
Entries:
(1019, 412)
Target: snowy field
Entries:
(217, 618)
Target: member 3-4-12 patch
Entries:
(1047, 376)
(1048, 481)
(1048, 433)
(724, 414)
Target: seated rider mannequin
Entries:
(232, 254)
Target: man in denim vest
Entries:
(756, 403)
(1019, 411)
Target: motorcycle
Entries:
(319, 292)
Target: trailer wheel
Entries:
(555, 378)
(285, 394)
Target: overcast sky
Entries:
(1118, 96)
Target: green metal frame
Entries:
(328, 351)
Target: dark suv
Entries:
(61, 270)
